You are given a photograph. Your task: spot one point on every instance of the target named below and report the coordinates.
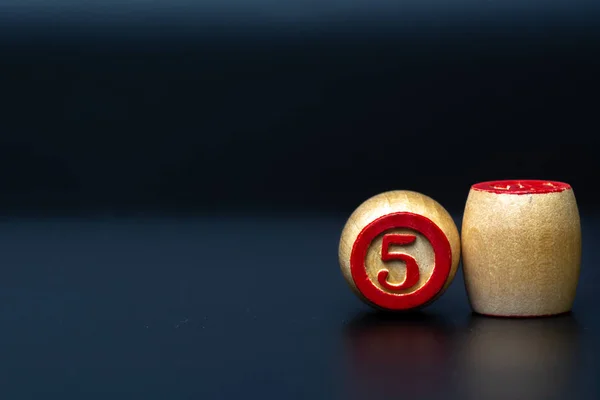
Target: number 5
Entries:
(412, 269)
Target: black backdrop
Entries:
(298, 106)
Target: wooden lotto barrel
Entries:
(521, 247)
(399, 250)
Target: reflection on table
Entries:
(518, 358)
(400, 356)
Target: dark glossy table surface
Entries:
(253, 307)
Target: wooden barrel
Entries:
(521, 247)
(399, 250)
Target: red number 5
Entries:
(412, 269)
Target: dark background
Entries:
(264, 105)
(174, 177)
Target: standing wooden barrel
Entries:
(521, 247)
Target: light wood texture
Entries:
(521, 252)
(421, 249)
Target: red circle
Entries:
(524, 186)
(398, 301)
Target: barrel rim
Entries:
(521, 186)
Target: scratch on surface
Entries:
(185, 321)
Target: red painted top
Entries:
(521, 186)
